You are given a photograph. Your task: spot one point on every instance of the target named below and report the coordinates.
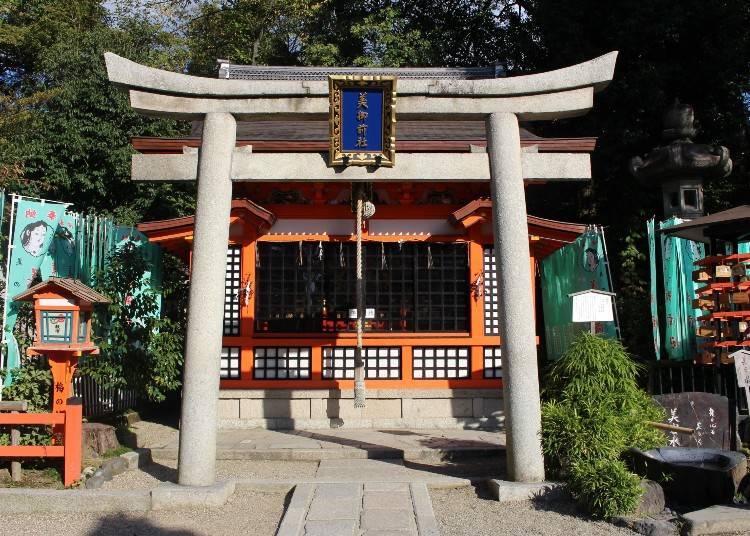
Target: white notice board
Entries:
(742, 366)
(592, 307)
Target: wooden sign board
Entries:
(706, 413)
(592, 306)
(742, 367)
(362, 120)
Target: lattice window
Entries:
(232, 291)
(230, 363)
(491, 304)
(310, 287)
(282, 363)
(493, 363)
(441, 363)
(382, 363)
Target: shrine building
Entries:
(431, 330)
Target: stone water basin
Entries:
(694, 476)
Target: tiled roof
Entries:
(73, 286)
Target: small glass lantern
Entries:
(63, 309)
(56, 326)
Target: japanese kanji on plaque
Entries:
(362, 120)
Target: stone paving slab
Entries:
(259, 443)
(394, 520)
(363, 508)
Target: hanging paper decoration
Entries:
(383, 263)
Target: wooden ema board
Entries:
(725, 300)
(706, 413)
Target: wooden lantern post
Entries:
(62, 307)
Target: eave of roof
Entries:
(731, 224)
(265, 217)
(411, 136)
(68, 284)
(147, 145)
(550, 235)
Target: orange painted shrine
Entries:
(293, 244)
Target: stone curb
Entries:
(338, 454)
(293, 521)
(28, 500)
(164, 497)
(170, 496)
(287, 485)
(427, 524)
(115, 466)
(506, 491)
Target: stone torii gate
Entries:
(219, 103)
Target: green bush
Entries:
(139, 350)
(592, 413)
(605, 486)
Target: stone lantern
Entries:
(680, 166)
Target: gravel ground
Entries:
(163, 470)
(468, 511)
(247, 513)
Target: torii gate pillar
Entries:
(200, 388)
(525, 462)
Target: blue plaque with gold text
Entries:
(362, 120)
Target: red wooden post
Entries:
(72, 438)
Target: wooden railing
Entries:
(99, 401)
(71, 422)
(665, 377)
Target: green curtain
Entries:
(653, 291)
(577, 266)
(680, 319)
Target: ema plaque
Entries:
(362, 120)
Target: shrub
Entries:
(605, 486)
(593, 412)
(139, 350)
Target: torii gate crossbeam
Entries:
(502, 102)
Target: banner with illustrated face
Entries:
(36, 224)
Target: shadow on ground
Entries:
(160, 472)
(120, 524)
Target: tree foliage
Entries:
(65, 131)
(72, 139)
(140, 350)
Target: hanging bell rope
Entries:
(363, 209)
(359, 362)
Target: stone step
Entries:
(730, 519)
